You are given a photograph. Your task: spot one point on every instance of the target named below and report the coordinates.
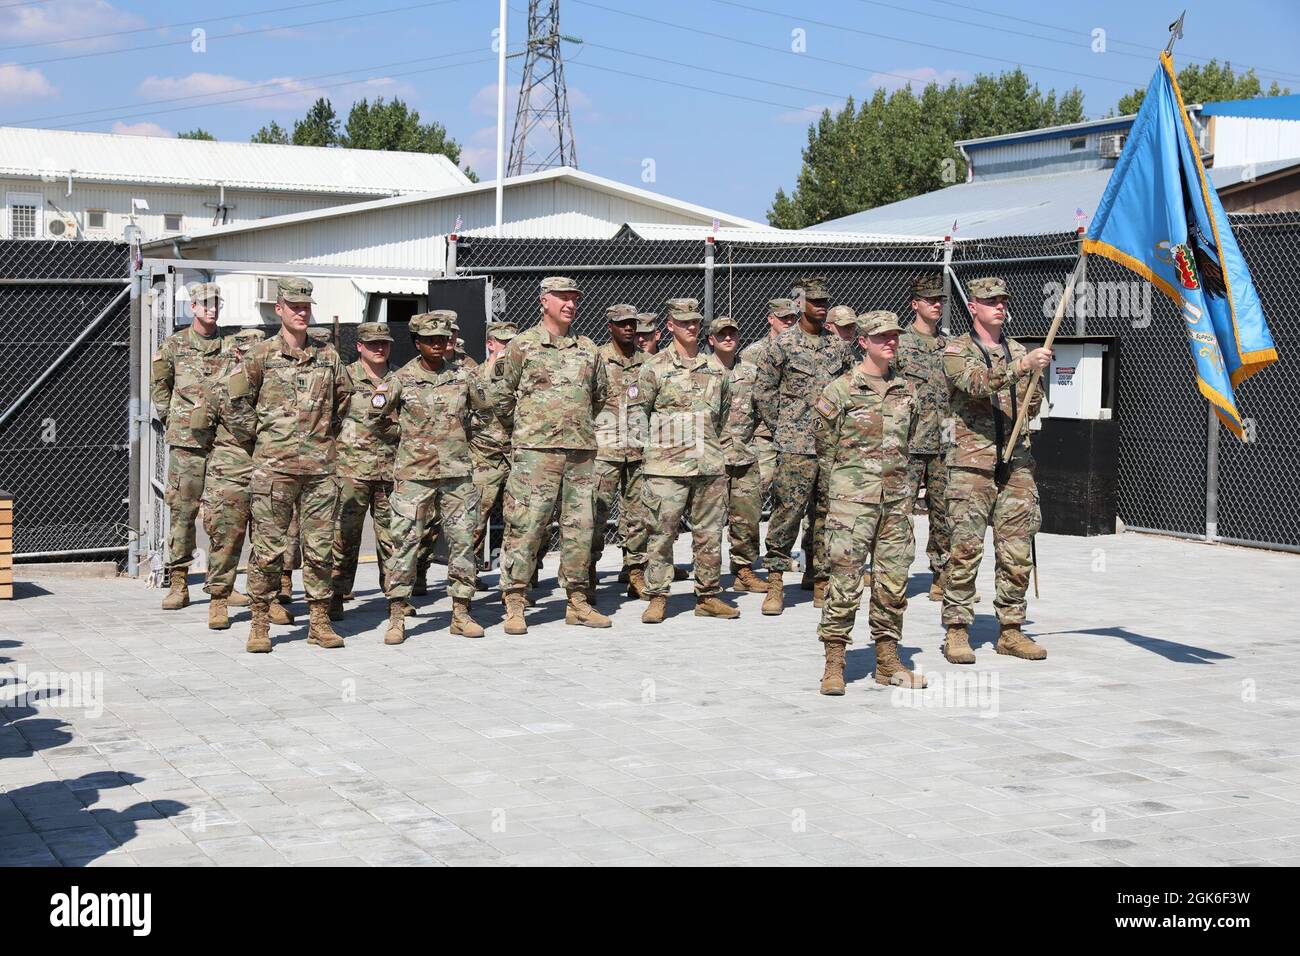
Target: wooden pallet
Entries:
(6, 546)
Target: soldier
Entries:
(744, 488)
(681, 409)
(180, 375)
(432, 398)
(618, 457)
(988, 379)
(364, 464)
(843, 320)
(648, 333)
(801, 361)
(297, 391)
(225, 486)
(549, 388)
(489, 440)
(920, 361)
(862, 425)
(781, 314)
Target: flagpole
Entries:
(501, 115)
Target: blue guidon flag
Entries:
(1161, 218)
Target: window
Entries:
(172, 221)
(96, 219)
(24, 220)
(1078, 142)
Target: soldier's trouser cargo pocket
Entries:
(186, 468)
(855, 534)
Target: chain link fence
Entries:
(65, 318)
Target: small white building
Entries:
(58, 184)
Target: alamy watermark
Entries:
(53, 690)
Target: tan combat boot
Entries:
(774, 603)
(936, 587)
(277, 613)
(820, 587)
(319, 631)
(178, 595)
(1013, 641)
(747, 581)
(636, 584)
(461, 622)
(396, 632)
(514, 622)
(654, 612)
(237, 599)
(286, 588)
(714, 606)
(580, 611)
(956, 645)
(889, 668)
(218, 618)
(336, 610)
(259, 635)
(833, 676)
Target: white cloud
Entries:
(275, 93)
(808, 114)
(20, 83)
(484, 101)
(42, 22)
(920, 77)
(141, 129)
(479, 152)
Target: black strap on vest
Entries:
(1001, 469)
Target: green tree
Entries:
(395, 126)
(320, 127)
(197, 133)
(897, 145)
(274, 133)
(1210, 83)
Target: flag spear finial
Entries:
(1175, 32)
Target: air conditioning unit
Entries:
(1111, 145)
(61, 228)
(267, 290)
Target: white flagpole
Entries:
(501, 113)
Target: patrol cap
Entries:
(318, 333)
(647, 322)
(813, 287)
(205, 292)
(559, 284)
(502, 331)
(987, 287)
(620, 313)
(294, 289)
(373, 332)
(723, 322)
(928, 286)
(435, 323)
(781, 307)
(684, 310)
(842, 315)
(878, 321)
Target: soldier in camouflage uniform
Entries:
(843, 321)
(432, 398)
(681, 408)
(180, 375)
(489, 439)
(864, 420)
(225, 486)
(549, 388)
(920, 361)
(744, 487)
(988, 378)
(801, 362)
(618, 456)
(364, 464)
(781, 314)
(297, 391)
(648, 332)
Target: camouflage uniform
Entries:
(981, 383)
(618, 459)
(180, 377)
(364, 466)
(549, 390)
(798, 368)
(297, 396)
(920, 360)
(744, 481)
(756, 354)
(434, 468)
(226, 509)
(489, 441)
(845, 317)
(681, 408)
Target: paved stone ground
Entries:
(1162, 729)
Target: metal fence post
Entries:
(135, 469)
(1081, 301)
(1212, 476)
(708, 281)
(451, 255)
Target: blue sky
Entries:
(713, 92)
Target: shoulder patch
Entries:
(953, 349)
(825, 407)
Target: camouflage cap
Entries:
(842, 315)
(647, 322)
(684, 310)
(318, 333)
(502, 331)
(435, 323)
(781, 308)
(620, 313)
(294, 289)
(928, 286)
(559, 284)
(723, 322)
(878, 321)
(987, 287)
(373, 332)
(205, 292)
(813, 287)
(248, 336)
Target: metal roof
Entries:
(801, 237)
(1260, 107)
(119, 158)
(1049, 132)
